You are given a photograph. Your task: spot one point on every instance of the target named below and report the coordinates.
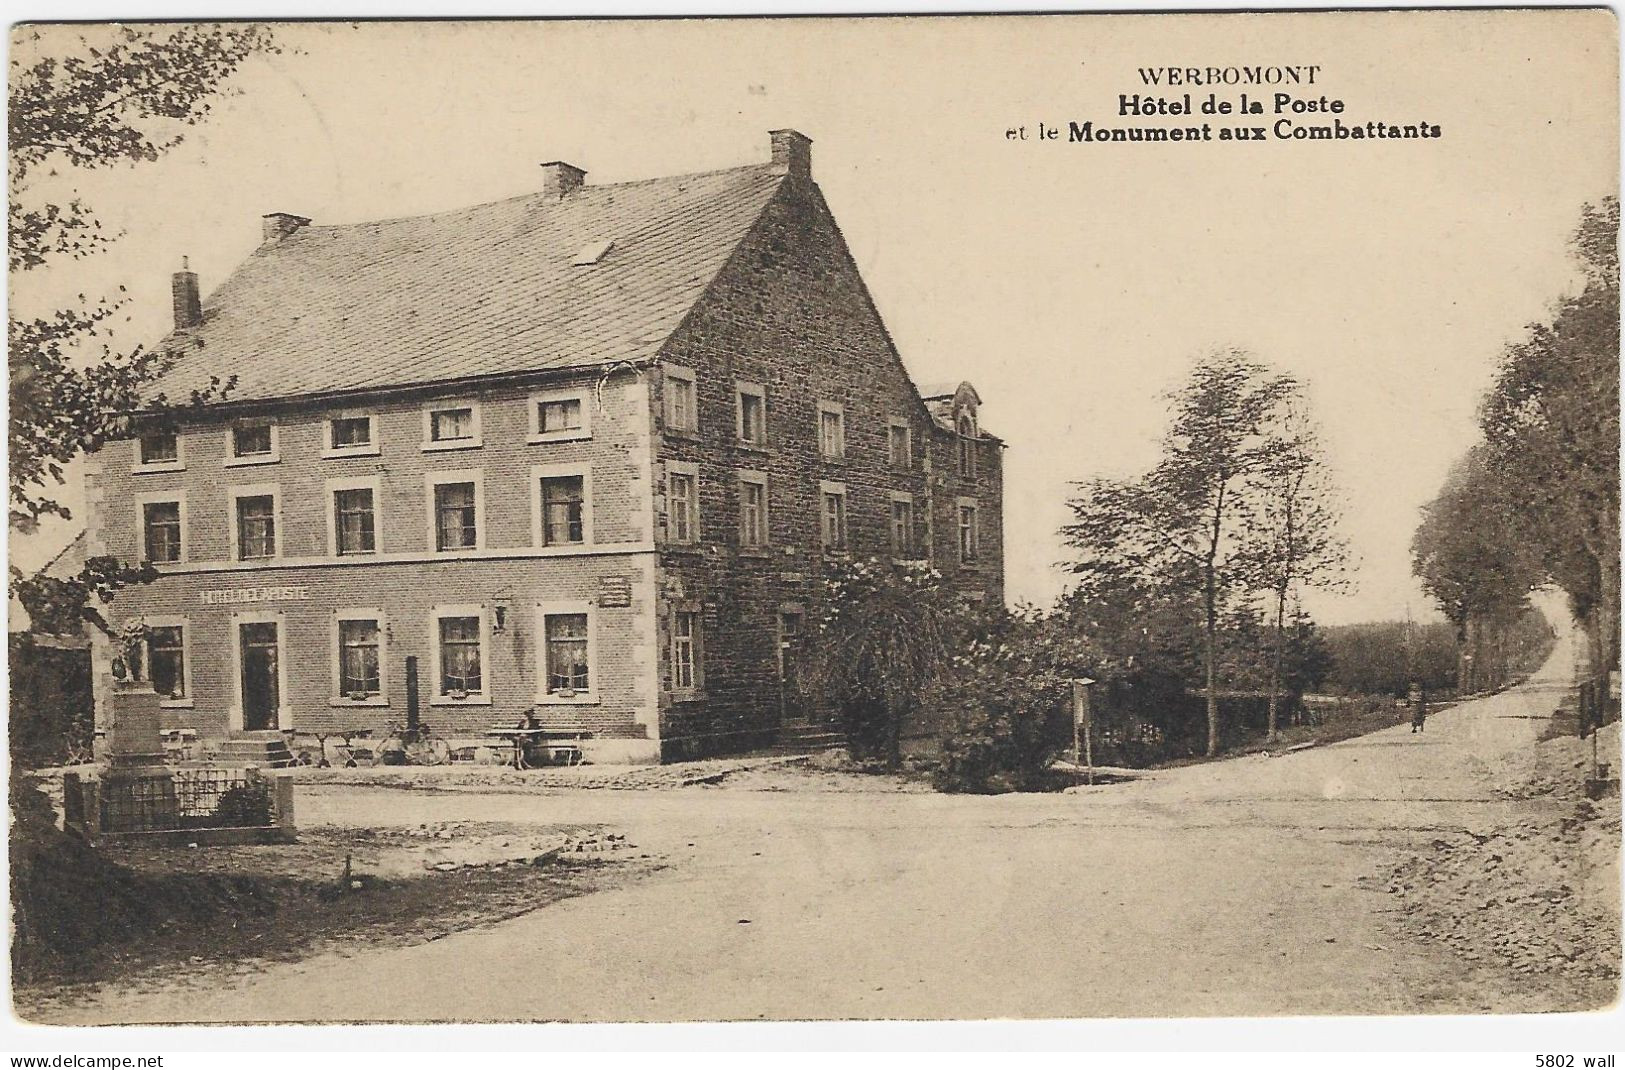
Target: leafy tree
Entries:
(116, 96)
(886, 632)
(1386, 657)
(1472, 553)
(1190, 521)
(1294, 541)
(1551, 429)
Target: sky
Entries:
(1073, 284)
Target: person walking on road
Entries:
(1419, 710)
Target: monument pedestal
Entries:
(137, 787)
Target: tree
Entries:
(1473, 554)
(1294, 541)
(885, 634)
(1191, 519)
(1551, 432)
(122, 95)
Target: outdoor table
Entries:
(522, 740)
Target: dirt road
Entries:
(1244, 887)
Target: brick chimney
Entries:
(560, 179)
(792, 153)
(188, 305)
(278, 225)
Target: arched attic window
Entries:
(967, 445)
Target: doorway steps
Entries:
(807, 738)
(268, 750)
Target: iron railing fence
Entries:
(188, 799)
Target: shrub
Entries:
(243, 806)
(1008, 699)
(997, 743)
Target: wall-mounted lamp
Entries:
(499, 615)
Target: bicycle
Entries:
(422, 747)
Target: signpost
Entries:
(1081, 721)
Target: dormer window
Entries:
(967, 445)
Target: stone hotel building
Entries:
(584, 452)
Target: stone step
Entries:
(268, 749)
(807, 739)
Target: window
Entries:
(560, 416)
(969, 536)
(160, 448)
(752, 414)
(556, 416)
(685, 640)
(166, 660)
(900, 444)
(352, 431)
(682, 400)
(752, 510)
(351, 436)
(831, 430)
(453, 427)
(360, 667)
(161, 531)
(834, 516)
(967, 446)
(682, 503)
(460, 642)
(902, 526)
(253, 443)
(354, 522)
(456, 510)
(256, 526)
(568, 655)
(563, 510)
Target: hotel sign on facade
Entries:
(233, 596)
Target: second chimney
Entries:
(560, 179)
(792, 153)
(188, 305)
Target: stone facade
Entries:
(692, 630)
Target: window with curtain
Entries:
(358, 657)
(256, 526)
(356, 525)
(163, 526)
(460, 656)
(455, 521)
(566, 639)
(166, 656)
(563, 510)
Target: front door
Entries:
(261, 691)
(792, 703)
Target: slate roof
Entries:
(481, 291)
